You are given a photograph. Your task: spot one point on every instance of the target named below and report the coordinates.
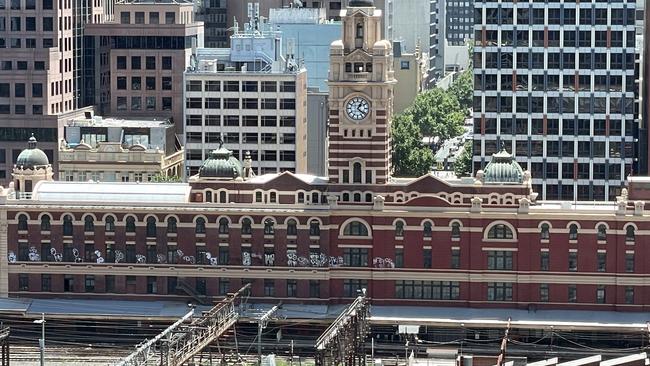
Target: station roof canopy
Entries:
(111, 192)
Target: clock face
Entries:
(357, 108)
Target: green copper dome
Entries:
(503, 169)
(221, 164)
(32, 157)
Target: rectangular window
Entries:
(292, 288)
(152, 285)
(201, 286)
(89, 283)
(231, 103)
(355, 257)
(121, 83)
(600, 294)
(287, 104)
(224, 286)
(314, 288)
(121, 62)
(269, 288)
(544, 258)
(288, 87)
(170, 17)
(109, 283)
(166, 62)
(499, 291)
(427, 259)
(136, 63)
(629, 262)
(543, 292)
(399, 258)
(427, 290)
(151, 83)
(629, 295)
(154, 17)
(269, 86)
(37, 90)
(68, 283)
(601, 259)
(352, 288)
(46, 282)
(231, 86)
(23, 282)
(150, 62)
(455, 258)
(572, 293)
(500, 260)
(125, 17)
(573, 261)
(139, 17)
(249, 86)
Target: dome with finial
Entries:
(503, 168)
(32, 157)
(221, 164)
(361, 3)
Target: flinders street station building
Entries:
(479, 242)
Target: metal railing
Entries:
(180, 342)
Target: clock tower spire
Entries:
(361, 80)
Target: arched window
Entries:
(208, 196)
(45, 223)
(346, 197)
(172, 225)
(357, 197)
(273, 197)
(500, 231)
(369, 69)
(455, 230)
(223, 197)
(109, 224)
(22, 222)
(268, 227)
(151, 227)
(356, 173)
(246, 226)
(629, 233)
(130, 224)
(301, 197)
(200, 226)
(355, 228)
(314, 197)
(399, 229)
(292, 227)
(602, 232)
(67, 225)
(544, 233)
(573, 232)
(368, 197)
(223, 225)
(314, 228)
(89, 224)
(428, 229)
(359, 30)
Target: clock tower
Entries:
(361, 80)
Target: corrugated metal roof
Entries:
(107, 192)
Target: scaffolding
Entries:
(181, 341)
(4, 346)
(343, 342)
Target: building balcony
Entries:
(358, 76)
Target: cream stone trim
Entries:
(506, 249)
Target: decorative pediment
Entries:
(358, 55)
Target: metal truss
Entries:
(4, 346)
(343, 342)
(181, 341)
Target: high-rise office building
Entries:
(214, 15)
(451, 30)
(554, 84)
(41, 47)
(250, 98)
(139, 59)
(459, 22)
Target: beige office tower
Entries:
(140, 57)
(41, 66)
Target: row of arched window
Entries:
(353, 228)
